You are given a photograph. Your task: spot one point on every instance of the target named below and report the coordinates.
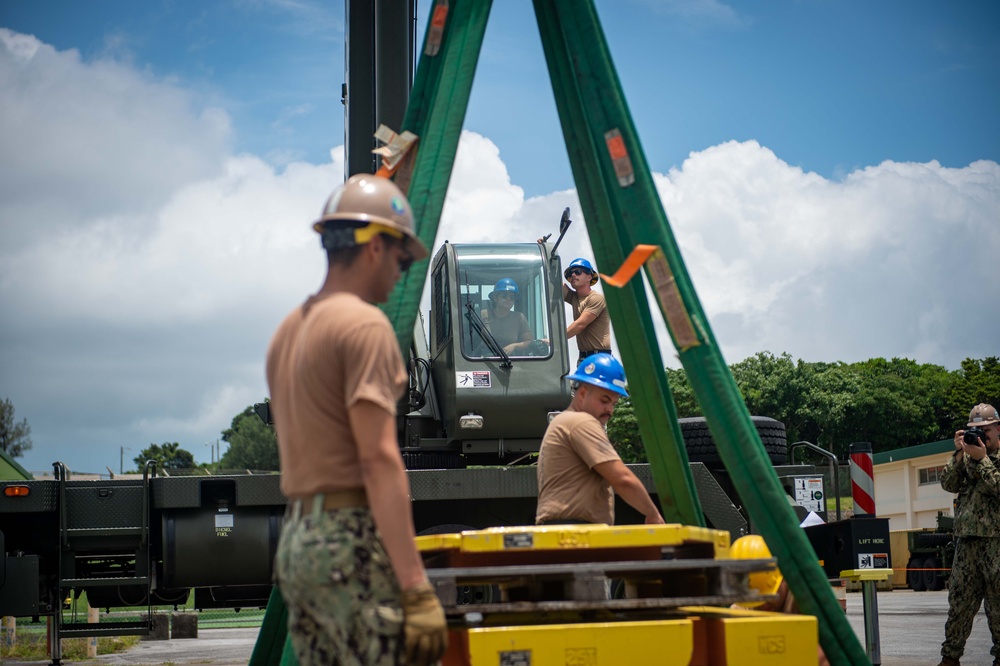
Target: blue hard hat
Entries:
(601, 370)
(580, 262)
(505, 284)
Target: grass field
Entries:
(30, 646)
(30, 636)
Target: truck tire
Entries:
(914, 575)
(933, 577)
(931, 539)
(701, 447)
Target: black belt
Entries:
(565, 521)
(594, 351)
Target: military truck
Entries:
(468, 426)
(931, 553)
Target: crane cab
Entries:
(492, 401)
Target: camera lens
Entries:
(973, 435)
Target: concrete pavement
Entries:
(911, 627)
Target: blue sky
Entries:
(829, 168)
(829, 86)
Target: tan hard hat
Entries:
(373, 200)
(983, 414)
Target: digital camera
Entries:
(973, 435)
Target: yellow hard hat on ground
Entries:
(753, 547)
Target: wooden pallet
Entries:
(544, 599)
(552, 570)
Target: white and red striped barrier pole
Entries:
(862, 480)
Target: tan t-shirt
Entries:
(328, 354)
(568, 487)
(507, 330)
(597, 334)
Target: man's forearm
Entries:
(633, 492)
(579, 324)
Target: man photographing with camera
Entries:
(974, 473)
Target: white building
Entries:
(908, 485)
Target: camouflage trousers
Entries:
(975, 577)
(342, 597)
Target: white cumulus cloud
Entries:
(145, 266)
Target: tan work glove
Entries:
(423, 621)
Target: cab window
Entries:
(515, 272)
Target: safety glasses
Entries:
(405, 260)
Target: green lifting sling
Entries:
(623, 210)
(621, 196)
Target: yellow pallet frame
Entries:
(708, 636)
(565, 537)
(592, 644)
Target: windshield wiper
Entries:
(480, 326)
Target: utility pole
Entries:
(121, 458)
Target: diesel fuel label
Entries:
(223, 524)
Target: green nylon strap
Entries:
(435, 113)
(637, 216)
(273, 632)
(288, 657)
(650, 392)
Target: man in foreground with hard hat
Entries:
(579, 470)
(347, 565)
(591, 323)
(974, 473)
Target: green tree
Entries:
(168, 455)
(976, 382)
(15, 437)
(623, 427)
(252, 444)
(896, 403)
(623, 431)
(680, 388)
(890, 403)
(771, 385)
